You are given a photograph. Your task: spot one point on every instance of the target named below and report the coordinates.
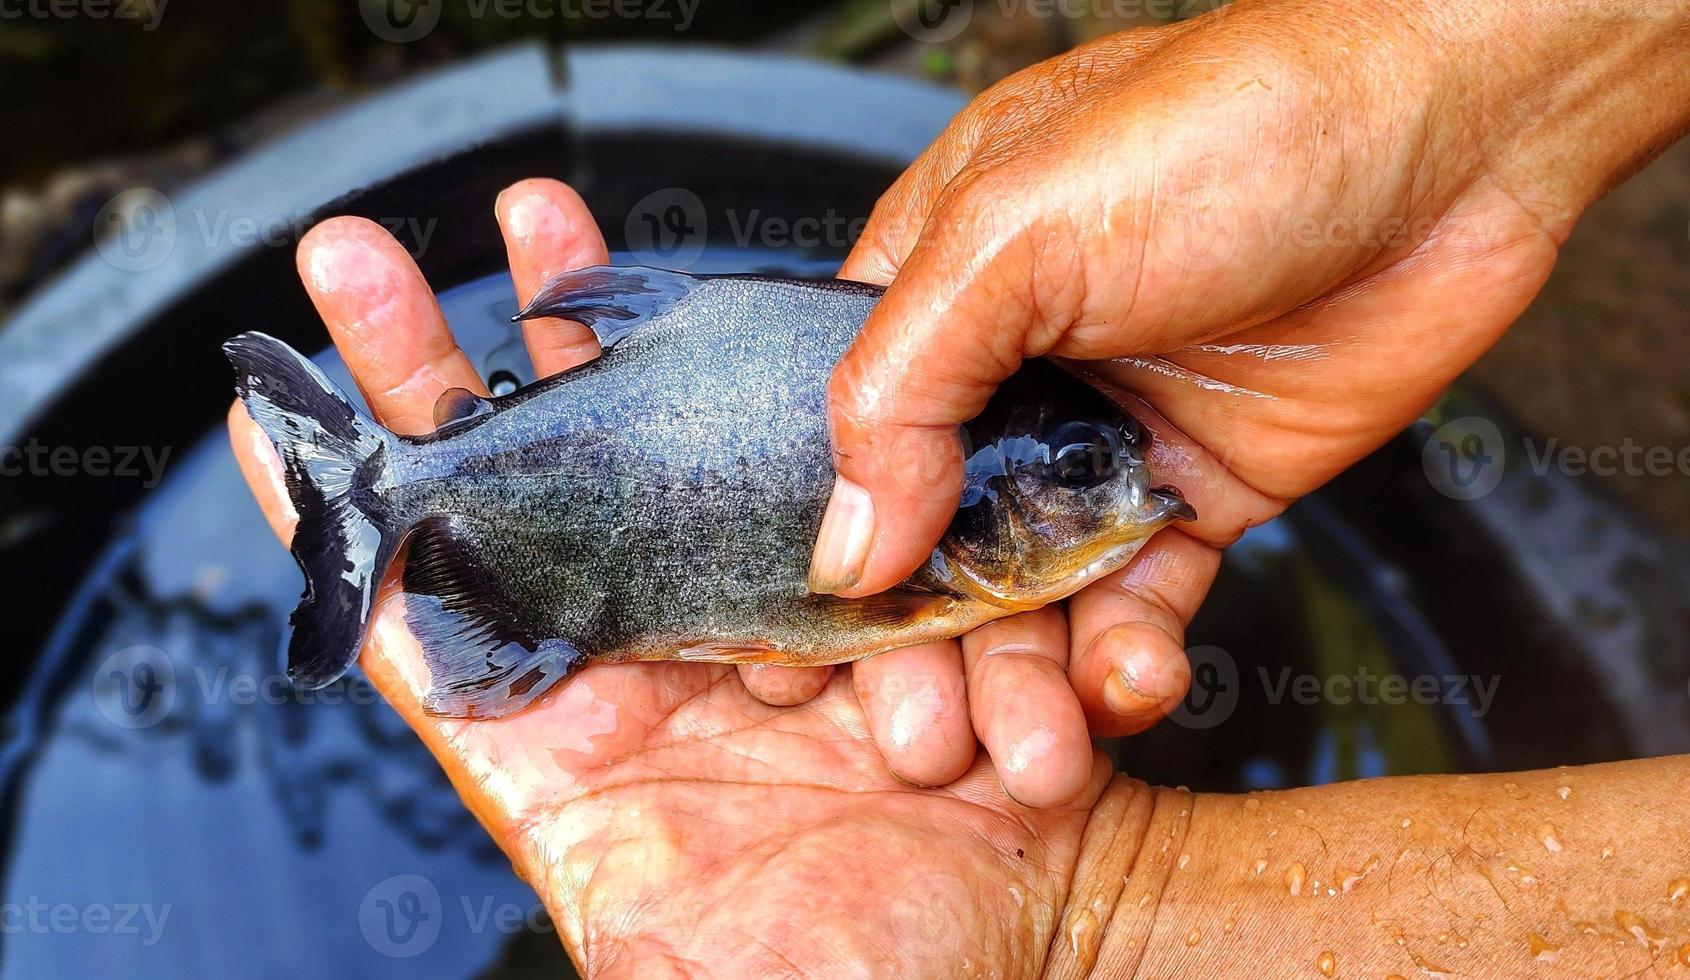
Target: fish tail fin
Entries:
(331, 455)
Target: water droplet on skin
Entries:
(1443, 937)
(1252, 804)
(1079, 934)
(1427, 966)
(1511, 788)
(1541, 948)
(1016, 896)
(1354, 878)
(1229, 924)
(1546, 834)
(1607, 852)
(1640, 930)
(1677, 889)
(1144, 900)
(1193, 937)
(1407, 823)
(1294, 878)
(1327, 964)
(1563, 791)
(1184, 859)
(1261, 865)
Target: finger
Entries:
(895, 224)
(256, 456)
(952, 326)
(1024, 709)
(384, 321)
(1129, 667)
(549, 230)
(784, 686)
(916, 708)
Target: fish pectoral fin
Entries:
(610, 301)
(485, 657)
(458, 405)
(895, 608)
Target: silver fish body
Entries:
(661, 501)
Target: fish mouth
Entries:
(1111, 554)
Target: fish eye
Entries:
(1081, 455)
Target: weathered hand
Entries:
(1280, 229)
(665, 815)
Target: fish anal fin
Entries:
(732, 653)
(486, 658)
(609, 300)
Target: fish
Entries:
(661, 501)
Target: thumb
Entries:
(952, 326)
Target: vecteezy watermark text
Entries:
(1217, 688)
(148, 12)
(670, 227)
(402, 916)
(1368, 688)
(139, 229)
(1465, 458)
(36, 917)
(403, 21)
(938, 21)
(139, 687)
(124, 462)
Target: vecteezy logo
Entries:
(136, 230)
(1204, 233)
(400, 916)
(925, 909)
(667, 228)
(932, 21)
(400, 21)
(135, 687)
(1464, 458)
(1214, 689)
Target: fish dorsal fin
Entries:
(486, 655)
(610, 301)
(456, 405)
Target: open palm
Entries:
(666, 816)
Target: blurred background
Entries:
(171, 808)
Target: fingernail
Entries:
(1121, 697)
(842, 545)
(1130, 687)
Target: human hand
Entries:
(666, 816)
(672, 823)
(1280, 230)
